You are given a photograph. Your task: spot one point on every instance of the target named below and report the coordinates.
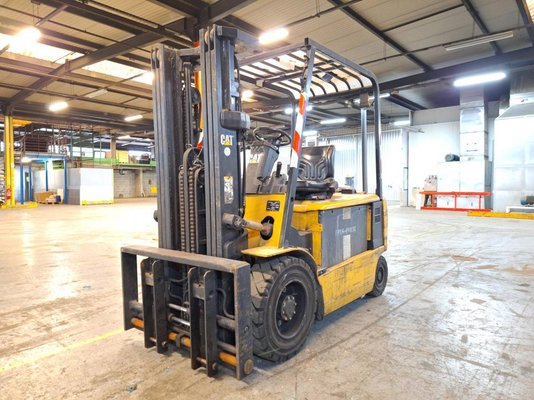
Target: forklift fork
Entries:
(212, 339)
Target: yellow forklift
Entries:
(252, 248)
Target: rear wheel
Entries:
(284, 301)
(381, 278)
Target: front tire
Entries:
(284, 302)
(381, 278)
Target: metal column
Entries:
(363, 113)
(21, 176)
(65, 182)
(46, 175)
(9, 158)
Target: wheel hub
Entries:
(289, 308)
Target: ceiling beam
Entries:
(37, 112)
(114, 50)
(221, 9)
(428, 16)
(182, 7)
(83, 80)
(527, 19)
(62, 41)
(118, 21)
(511, 60)
(51, 15)
(80, 98)
(404, 102)
(105, 53)
(480, 23)
(199, 9)
(381, 35)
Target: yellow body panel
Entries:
(267, 251)
(338, 200)
(349, 280)
(341, 283)
(256, 210)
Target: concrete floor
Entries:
(456, 320)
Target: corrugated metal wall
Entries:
(349, 154)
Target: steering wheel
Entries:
(271, 136)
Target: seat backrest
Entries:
(316, 163)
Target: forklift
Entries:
(252, 248)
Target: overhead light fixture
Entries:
(25, 38)
(371, 98)
(462, 44)
(147, 77)
(311, 132)
(274, 35)
(479, 79)
(131, 118)
(288, 110)
(96, 93)
(58, 106)
(333, 121)
(247, 94)
(124, 137)
(402, 122)
(25, 160)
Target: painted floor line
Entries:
(31, 360)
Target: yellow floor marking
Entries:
(500, 214)
(30, 360)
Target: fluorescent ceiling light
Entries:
(402, 122)
(247, 94)
(462, 44)
(273, 36)
(311, 132)
(131, 118)
(124, 137)
(25, 160)
(333, 121)
(25, 38)
(58, 106)
(479, 79)
(96, 93)
(147, 77)
(371, 98)
(288, 110)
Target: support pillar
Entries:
(65, 180)
(21, 191)
(9, 159)
(46, 175)
(113, 147)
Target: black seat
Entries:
(316, 173)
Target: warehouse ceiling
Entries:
(95, 55)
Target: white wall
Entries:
(55, 179)
(428, 145)
(96, 185)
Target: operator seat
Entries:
(316, 173)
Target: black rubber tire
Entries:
(381, 278)
(275, 339)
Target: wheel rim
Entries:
(380, 275)
(290, 309)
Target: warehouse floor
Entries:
(456, 320)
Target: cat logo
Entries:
(227, 140)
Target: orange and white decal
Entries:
(297, 135)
